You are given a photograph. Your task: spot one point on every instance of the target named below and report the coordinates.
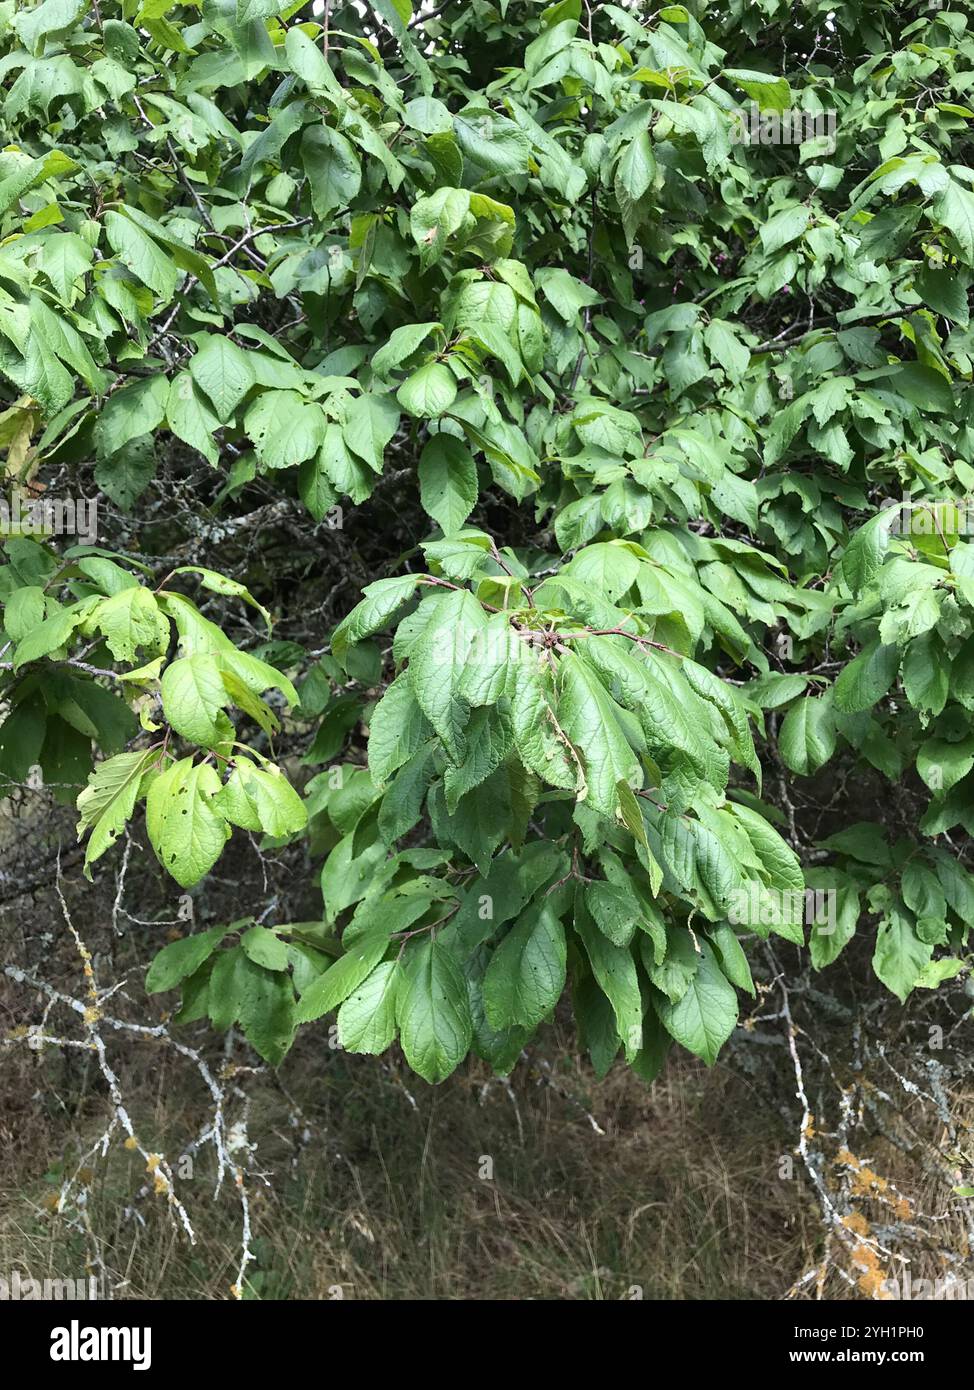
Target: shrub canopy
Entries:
(652, 315)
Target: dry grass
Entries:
(376, 1192)
(367, 1184)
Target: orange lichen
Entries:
(872, 1282)
(855, 1221)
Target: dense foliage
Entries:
(653, 386)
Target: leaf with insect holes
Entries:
(261, 799)
(186, 831)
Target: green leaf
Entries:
(493, 142)
(367, 1018)
(185, 258)
(732, 959)
(726, 348)
(428, 392)
(922, 386)
(108, 801)
(186, 833)
(864, 842)
(590, 719)
(264, 948)
(285, 428)
(634, 176)
(402, 344)
(261, 798)
(220, 584)
(807, 735)
(863, 556)
(47, 19)
(24, 611)
(932, 976)
(345, 976)
(371, 420)
(781, 229)
(596, 1024)
(231, 979)
(867, 678)
(309, 63)
(381, 603)
(52, 633)
(437, 663)
(134, 411)
(954, 209)
(130, 621)
(141, 255)
(434, 220)
(65, 258)
(672, 973)
(223, 372)
(332, 168)
(177, 961)
(526, 974)
(494, 664)
(900, 956)
(190, 417)
(433, 1011)
(942, 765)
(488, 741)
(769, 92)
(614, 910)
(266, 1011)
(706, 1015)
(610, 568)
(567, 295)
(193, 694)
(397, 728)
(828, 937)
(447, 481)
(615, 971)
(541, 743)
